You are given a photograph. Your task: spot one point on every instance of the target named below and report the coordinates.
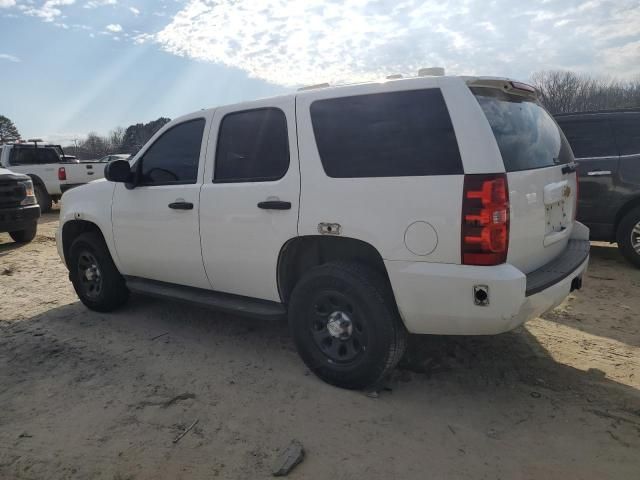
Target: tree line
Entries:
(563, 92)
(118, 140)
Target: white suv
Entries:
(430, 205)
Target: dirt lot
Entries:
(88, 395)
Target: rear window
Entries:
(527, 135)
(396, 134)
(626, 128)
(33, 156)
(589, 136)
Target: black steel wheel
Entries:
(345, 324)
(95, 277)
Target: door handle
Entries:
(274, 205)
(569, 168)
(181, 205)
(599, 173)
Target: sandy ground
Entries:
(88, 395)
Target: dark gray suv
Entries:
(606, 145)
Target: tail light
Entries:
(485, 219)
(62, 174)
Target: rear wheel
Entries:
(26, 235)
(43, 197)
(628, 236)
(95, 278)
(345, 324)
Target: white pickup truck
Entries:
(51, 171)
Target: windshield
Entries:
(527, 135)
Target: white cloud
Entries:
(10, 58)
(134, 10)
(114, 27)
(99, 3)
(7, 3)
(48, 11)
(293, 43)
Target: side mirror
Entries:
(118, 171)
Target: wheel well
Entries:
(300, 254)
(626, 208)
(72, 229)
(36, 179)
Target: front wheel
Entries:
(95, 277)
(25, 235)
(345, 324)
(628, 236)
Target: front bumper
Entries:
(18, 218)
(438, 298)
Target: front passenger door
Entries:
(155, 224)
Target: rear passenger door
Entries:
(249, 199)
(594, 147)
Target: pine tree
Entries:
(8, 131)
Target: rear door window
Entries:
(626, 128)
(253, 146)
(526, 134)
(397, 134)
(589, 136)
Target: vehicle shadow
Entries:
(609, 300)
(471, 363)
(52, 216)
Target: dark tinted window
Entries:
(626, 128)
(589, 136)
(253, 146)
(526, 134)
(173, 158)
(33, 156)
(394, 134)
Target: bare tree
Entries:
(564, 91)
(116, 139)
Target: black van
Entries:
(606, 145)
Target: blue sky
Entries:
(68, 67)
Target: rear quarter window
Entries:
(589, 136)
(527, 135)
(407, 133)
(626, 128)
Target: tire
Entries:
(345, 324)
(43, 197)
(628, 236)
(26, 235)
(95, 278)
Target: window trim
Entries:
(450, 117)
(253, 179)
(140, 161)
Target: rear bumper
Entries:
(439, 298)
(18, 218)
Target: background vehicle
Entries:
(114, 156)
(606, 145)
(51, 171)
(426, 205)
(19, 211)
